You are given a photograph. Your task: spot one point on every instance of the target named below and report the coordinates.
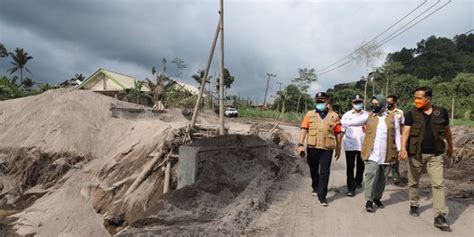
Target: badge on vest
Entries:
(436, 112)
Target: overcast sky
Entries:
(68, 37)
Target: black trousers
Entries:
(353, 158)
(319, 162)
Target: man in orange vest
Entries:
(323, 136)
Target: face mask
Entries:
(376, 109)
(320, 106)
(420, 103)
(390, 106)
(357, 107)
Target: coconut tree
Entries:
(20, 59)
(198, 77)
(3, 51)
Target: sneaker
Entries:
(350, 194)
(378, 203)
(323, 202)
(441, 223)
(314, 193)
(369, 206)
(414, 211)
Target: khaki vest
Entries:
(371, 130)
(320, 131)
(417, 131)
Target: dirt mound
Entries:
(231, 190)
(79, 163)
(66, 143)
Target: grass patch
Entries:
(463, 122)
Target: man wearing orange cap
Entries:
(322, 133)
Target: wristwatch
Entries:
(300, 144)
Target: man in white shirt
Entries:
(379, 149)
(399, 115)
(352, 141)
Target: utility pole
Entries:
(266, 90)
(221, 82)
(206, 73)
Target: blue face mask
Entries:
(357, 106)
(320, 106)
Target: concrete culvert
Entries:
(236, 175)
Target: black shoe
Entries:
(378, 204)
(323, 203)
(414, 211)
(350, 194)
(369, 206)
(359, 185)
(441, 223)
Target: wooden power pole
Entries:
(206, 73)
(221, 81)
(266, 89)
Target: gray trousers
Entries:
(375, 176)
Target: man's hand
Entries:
(299, 150)
(402, 155)
(338, 153)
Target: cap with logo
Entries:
(357, 98)
(321, 95)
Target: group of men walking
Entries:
(374, 142)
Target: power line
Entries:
(386, 39)
(376, 37)
(382, 42)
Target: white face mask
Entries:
(357, 106)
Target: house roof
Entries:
(122, 80)
(188, 87)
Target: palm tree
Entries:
(3, 51)
(20, 58)
(78, 76)
(28, 83)
(284, 96)
(198, 77)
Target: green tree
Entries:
(20, 59)
(3, 51)
(388, 70)
(180, 66)
(303, 81)
(366, 54)
(9, 89)
(28, 83)
(136, 92)
(198, 77)
(228, 80)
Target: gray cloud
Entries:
(67, 37)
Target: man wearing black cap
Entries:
(352, 141)
(322, 133)
(380, 148)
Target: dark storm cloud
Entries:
(67, 37)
